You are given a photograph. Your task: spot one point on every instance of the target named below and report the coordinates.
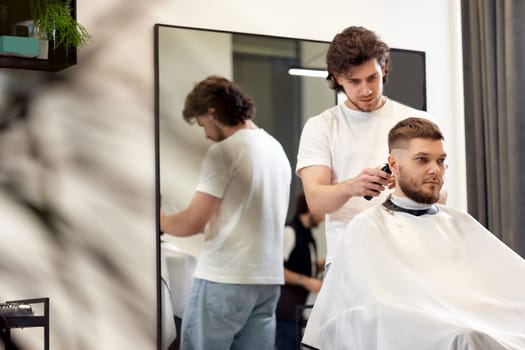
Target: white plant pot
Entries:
(44, 49)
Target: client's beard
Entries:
(418, 196)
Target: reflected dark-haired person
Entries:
(410, 273)
(240, 205)
(301, 267)
(342, 149)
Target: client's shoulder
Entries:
(443, 208)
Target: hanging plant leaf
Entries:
(53, 21)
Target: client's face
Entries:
(420, 170)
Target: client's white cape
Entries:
(401, 282)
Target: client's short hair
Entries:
(412, 128)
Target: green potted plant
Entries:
(53, 21)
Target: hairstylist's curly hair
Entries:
(352, 47)
(231, 106)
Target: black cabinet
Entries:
(16, 11)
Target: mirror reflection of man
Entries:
(301, 267)
(240, 204)
(414, 274)
(341, 149)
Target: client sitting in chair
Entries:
(414, 274)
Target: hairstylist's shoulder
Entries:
(315, 141)
(406, 111)
(322, 119)
(318, 127)
(426, 115)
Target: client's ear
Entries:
(392, 163)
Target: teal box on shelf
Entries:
(19, 46)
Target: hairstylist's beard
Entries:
(218, 134)
(367, 108)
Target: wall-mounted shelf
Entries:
(57, 60)
(15, 11)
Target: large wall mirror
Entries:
(261, 66)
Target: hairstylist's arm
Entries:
(324, 197)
